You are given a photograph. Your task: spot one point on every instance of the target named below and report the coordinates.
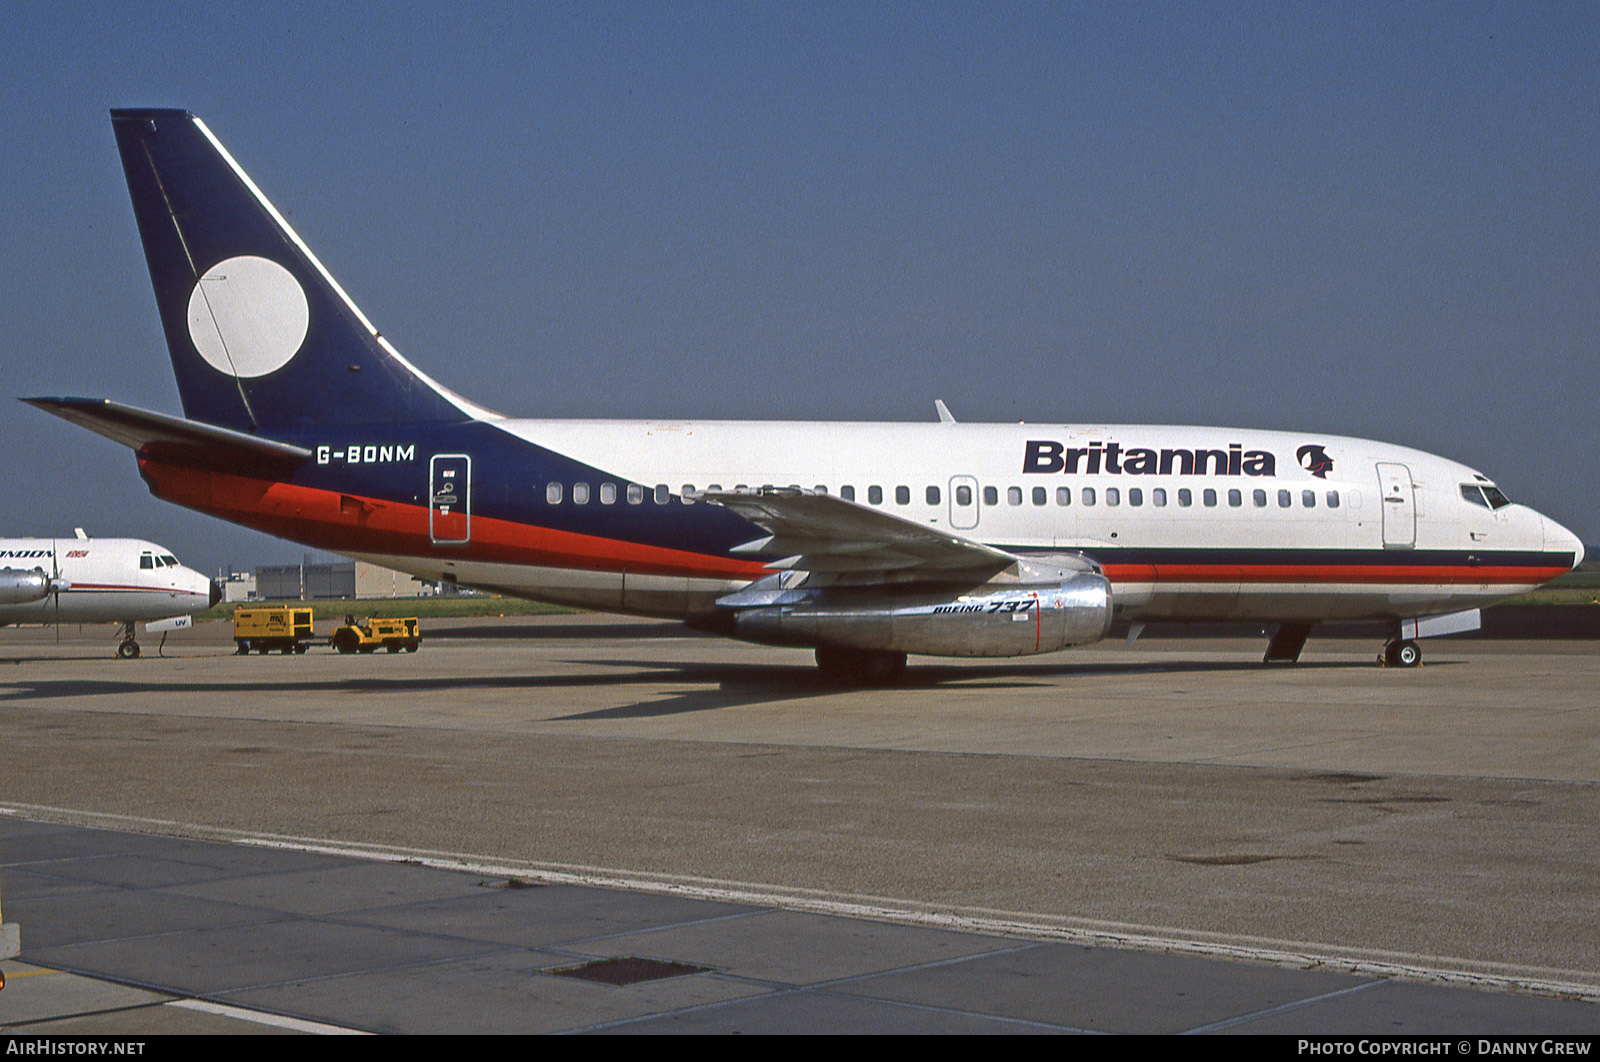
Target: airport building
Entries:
(307, 581)
(238, 586)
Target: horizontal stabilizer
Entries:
(163, 435)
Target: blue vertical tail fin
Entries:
(263, 340)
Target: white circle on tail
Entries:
(248, 316)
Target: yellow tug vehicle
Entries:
(369, 634)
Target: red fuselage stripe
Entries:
(344, 523)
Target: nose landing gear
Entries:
(128, 649)
(1400, 653)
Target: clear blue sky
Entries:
(1367, 219)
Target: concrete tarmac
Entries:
(1433, 825)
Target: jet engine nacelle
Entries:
(18, 587)
(1007, 619)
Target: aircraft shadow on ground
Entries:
(717, 685)
(550, 631)
(745, 685)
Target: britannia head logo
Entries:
(1314, 460)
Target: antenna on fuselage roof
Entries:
(944, 411)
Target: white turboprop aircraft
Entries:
(864, 542)
(99, 580)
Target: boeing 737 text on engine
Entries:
(864, 542)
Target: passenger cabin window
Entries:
(1285, 499)
(1308, 498)
(991, 496)
(1113, 496)
(688, 489)
(847, 493)
(902, 495)
(932, 495)
(1260, 498)
(1040, 495)
(1235, 499)
(1158, 497)
(1063, 495)
(963, 495)
(552, 493)
(663, 495)
(1209, 497)
(874, 495)
(1135, 496)
(1185, 497)
(1088, 495)
(608, 493)
(1333, 499)
(580, 494)
(635, 494)
(1013, 495)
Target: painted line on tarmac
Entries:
(277, 1021)
(1301, 955)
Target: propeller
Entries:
(57, 584)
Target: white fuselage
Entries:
(1384, 532)
(110, 580)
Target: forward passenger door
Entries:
(1396, 495)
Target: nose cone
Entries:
(1558, 539)
(203, 591)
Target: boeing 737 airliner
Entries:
(864, 542)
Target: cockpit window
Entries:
(146, 561)
(1488, 495)
(169, 561)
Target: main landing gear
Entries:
(128, 649)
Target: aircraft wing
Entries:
(166, 436)
(823, 533)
